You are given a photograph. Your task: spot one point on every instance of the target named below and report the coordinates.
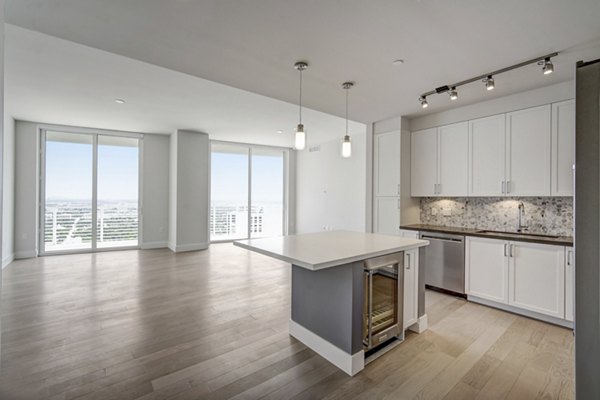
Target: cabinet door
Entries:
(487, 269)
(563, 147)
(528, 146)
(409, 234)
(569, 284)
(411, 288)
(487, 156)
(387, 215)
(423, 159)
(537, 278)
(453, 144)
(387, 164)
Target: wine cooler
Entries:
(383, 302)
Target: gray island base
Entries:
(328, 287)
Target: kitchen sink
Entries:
(522, 234)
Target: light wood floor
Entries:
(213, 325)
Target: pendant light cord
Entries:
(300, 102)
(346, 112)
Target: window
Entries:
(89, 192)
(247, 191)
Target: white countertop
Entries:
(316, 251)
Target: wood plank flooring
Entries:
(213, 325)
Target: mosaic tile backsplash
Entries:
(548, 215)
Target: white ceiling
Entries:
(51, 80)
(252, 45)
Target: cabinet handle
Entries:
(512, 250)
(408, 262)
(507, 187)
(505, 252)
(398, 204)
(503, 187)
(439, 188)
(435, 188)
(569, 255)
(398, 188)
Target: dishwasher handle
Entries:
(444, 238)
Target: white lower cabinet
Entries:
(411, 288)
(487, 268)
(537, 278)
(569, 284)
(521, 275)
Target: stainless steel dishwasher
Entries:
(443, 261)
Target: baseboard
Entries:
(7, 260)
(420, 326)
(187, 247)
(154, 245)
(25, 254)
(350, 364)
(520, 311)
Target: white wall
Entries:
(8, 192)
(155, 191)
(537, 97)
(189, 191)
(26, 188)
(331, 190)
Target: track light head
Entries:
(489, 83)
(548, 67)
(423, 101)
(453, 93)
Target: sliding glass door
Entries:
(247, 191)
(89, 192)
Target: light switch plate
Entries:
(433, 211)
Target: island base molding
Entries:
(349, 363)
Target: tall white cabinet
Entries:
(386, 183)
(423, 169)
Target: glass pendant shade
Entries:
(346, 147)
(300, 140)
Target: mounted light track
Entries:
(488, 79)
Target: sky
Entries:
(229, 178)
(69, 172)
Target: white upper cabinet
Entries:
(528, 146)
(387, 164)
(424, 155)
(563, 147)
(487, 156)
(453, 144)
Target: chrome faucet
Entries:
(522, 225)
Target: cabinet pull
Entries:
(569, 255)
(439, 188)
(507, 187)
(503, 187)
(505, 252)
(398, 204)
(512, 250)
(435, 188)
(398, 189)
(408, 262)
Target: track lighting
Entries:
(488, 79)
(489, 83)
(548, 67)
(453, 93)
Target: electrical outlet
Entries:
(446, 212)
(433, 211)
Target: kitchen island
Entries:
(328, 287)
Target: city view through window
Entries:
(232, 185)
(69, 184)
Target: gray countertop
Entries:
(558, 241)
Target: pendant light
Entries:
(346, 143)
(300, 139)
